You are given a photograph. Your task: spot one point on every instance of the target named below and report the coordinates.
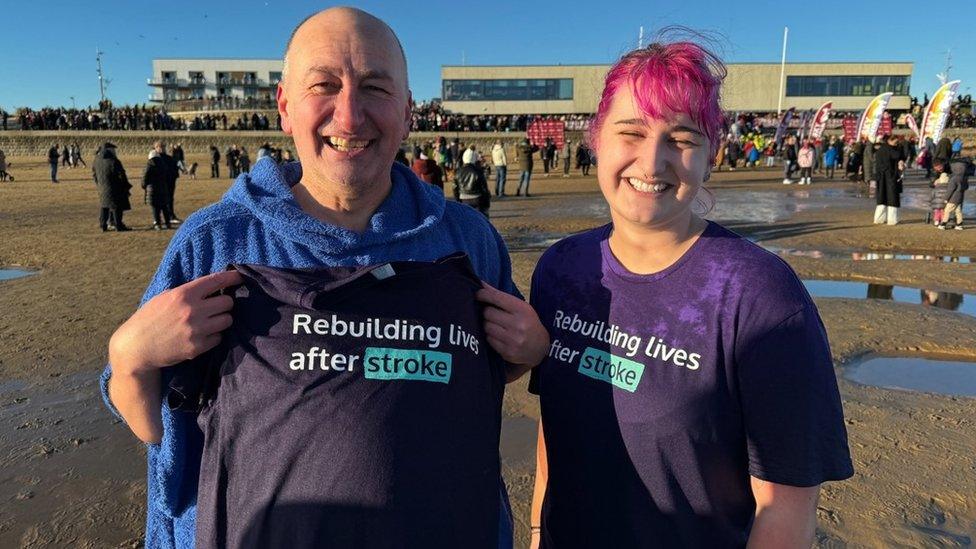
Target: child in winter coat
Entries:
(770, 154)
(805, 160)
(959, 171)
(830, 160)
(938, 199)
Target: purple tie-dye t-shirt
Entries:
(662, 394)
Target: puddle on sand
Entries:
(532, 241)
(10, 274)
(963, 303)
(867, 255)
(916, 374)
(772, 206)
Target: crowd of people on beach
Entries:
(438, 161)
(104, 117)
(430, 116)
(163, 168)
(141, 118)
(427, 116)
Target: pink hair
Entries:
(679, 77)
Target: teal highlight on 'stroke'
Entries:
(406, 364)
(618, 371)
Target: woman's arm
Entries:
(786, 516)
(539, 492)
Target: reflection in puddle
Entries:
(10, 274)
(916, 374)
(920, 197)
(772, 206)
(963, 303)
(867, 256)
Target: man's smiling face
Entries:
(345, 100)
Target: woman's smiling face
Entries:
(650, 170)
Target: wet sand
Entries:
(72, 476)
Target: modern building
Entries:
(193, 82)
(752, 87)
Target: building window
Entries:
(840, 86)
(508, 90)
(274, 77)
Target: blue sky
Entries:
(49, 47)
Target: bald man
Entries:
(345, 100)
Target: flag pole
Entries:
(782, 73)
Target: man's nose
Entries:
(348, 114)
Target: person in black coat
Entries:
(583, 158)
(179, 157)
(789, 159)
(471, 187)
(943, 152)
(889, 161)
(52, 158)
(155, 181)
(231, 158)
(214, 162)
(113, 187)
(172, 173)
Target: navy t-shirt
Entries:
(351, 407)
(663, 393)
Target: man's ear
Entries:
(282, 100)
(407, 116)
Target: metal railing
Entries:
(198, 82)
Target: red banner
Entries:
(886, 124)
(850, 129)
(820, 120)
(539, 130)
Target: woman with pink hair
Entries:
(688, 398)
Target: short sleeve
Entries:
(534, 381)
(791, 407)
(534, 299)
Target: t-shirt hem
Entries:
(801, 480)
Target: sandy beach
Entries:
(71, 475)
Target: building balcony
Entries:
(246, 82)
(177, 82)
(167, 82)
